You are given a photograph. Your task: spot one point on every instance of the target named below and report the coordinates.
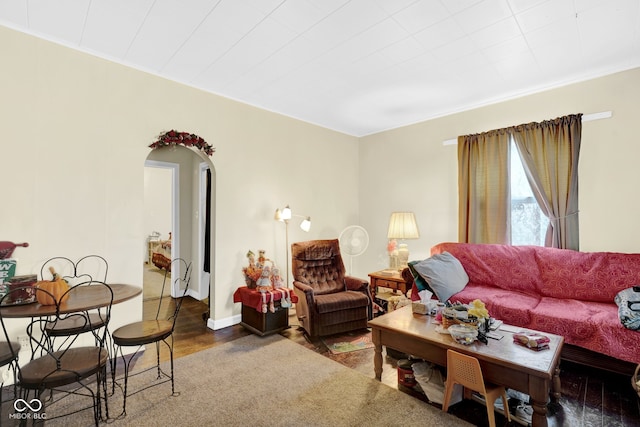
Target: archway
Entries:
(195, 186)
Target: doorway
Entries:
(161, 219)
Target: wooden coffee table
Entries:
(503, 362)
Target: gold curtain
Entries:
(483, 188)
(549, 153)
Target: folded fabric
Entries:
(628, 302)
(531, 340)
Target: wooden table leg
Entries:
(539, 394)
(377, 355)
(556, 387)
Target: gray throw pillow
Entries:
(421, 284)
(444, 273)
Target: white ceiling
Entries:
(358, 66)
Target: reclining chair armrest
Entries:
(355, 283)
(303, 287)
(305, 307)
(306, 289)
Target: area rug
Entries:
(351, 341)
(269, 381)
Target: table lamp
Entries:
(402, 225)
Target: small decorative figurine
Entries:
(264, 282)
(277, 278)
(264, 286)
(261, 258)
(251, 273)
(279, 285)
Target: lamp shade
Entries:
(402, 225)
(306, 224)
(286, 213)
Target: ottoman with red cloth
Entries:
(262, 313)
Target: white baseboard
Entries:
(224, 323)
(195, 295)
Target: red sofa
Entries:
(560, 291)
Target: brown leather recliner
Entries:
(329, 301)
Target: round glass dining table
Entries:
(81, 299)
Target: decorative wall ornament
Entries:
(173, 138)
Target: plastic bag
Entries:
(431, 381)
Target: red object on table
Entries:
(253, 298)
(6, 248)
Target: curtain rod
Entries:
(585, 118)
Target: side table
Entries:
(388, 279)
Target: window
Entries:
(551, 149)
(528, 223)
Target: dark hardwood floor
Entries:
(589, 397)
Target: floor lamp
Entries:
(285, 215)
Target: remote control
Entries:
(494, 335)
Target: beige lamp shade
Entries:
(402, 225)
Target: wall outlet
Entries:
(23, 340)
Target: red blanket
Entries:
(253, 298)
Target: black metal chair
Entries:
(153, 331)
(93, 265)
(85, 271)
(57, 368)
(8, 355)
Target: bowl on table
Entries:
(463, 334)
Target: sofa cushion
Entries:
(587, 324)
(513, 268)
(327, 303)
(510, 306)
(444, 273)
(588, 276)
(567, 317)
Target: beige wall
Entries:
(410, 169)
(75, 131)
(157, 204)
(75, 136)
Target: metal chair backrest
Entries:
(10, 349)
(63, 266)
(83, 271)
(183, 281)
(465, 370)
(43, 344)
(93, 265)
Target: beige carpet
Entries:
(268, 381)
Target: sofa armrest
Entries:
(407, 276)
(411, 284)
